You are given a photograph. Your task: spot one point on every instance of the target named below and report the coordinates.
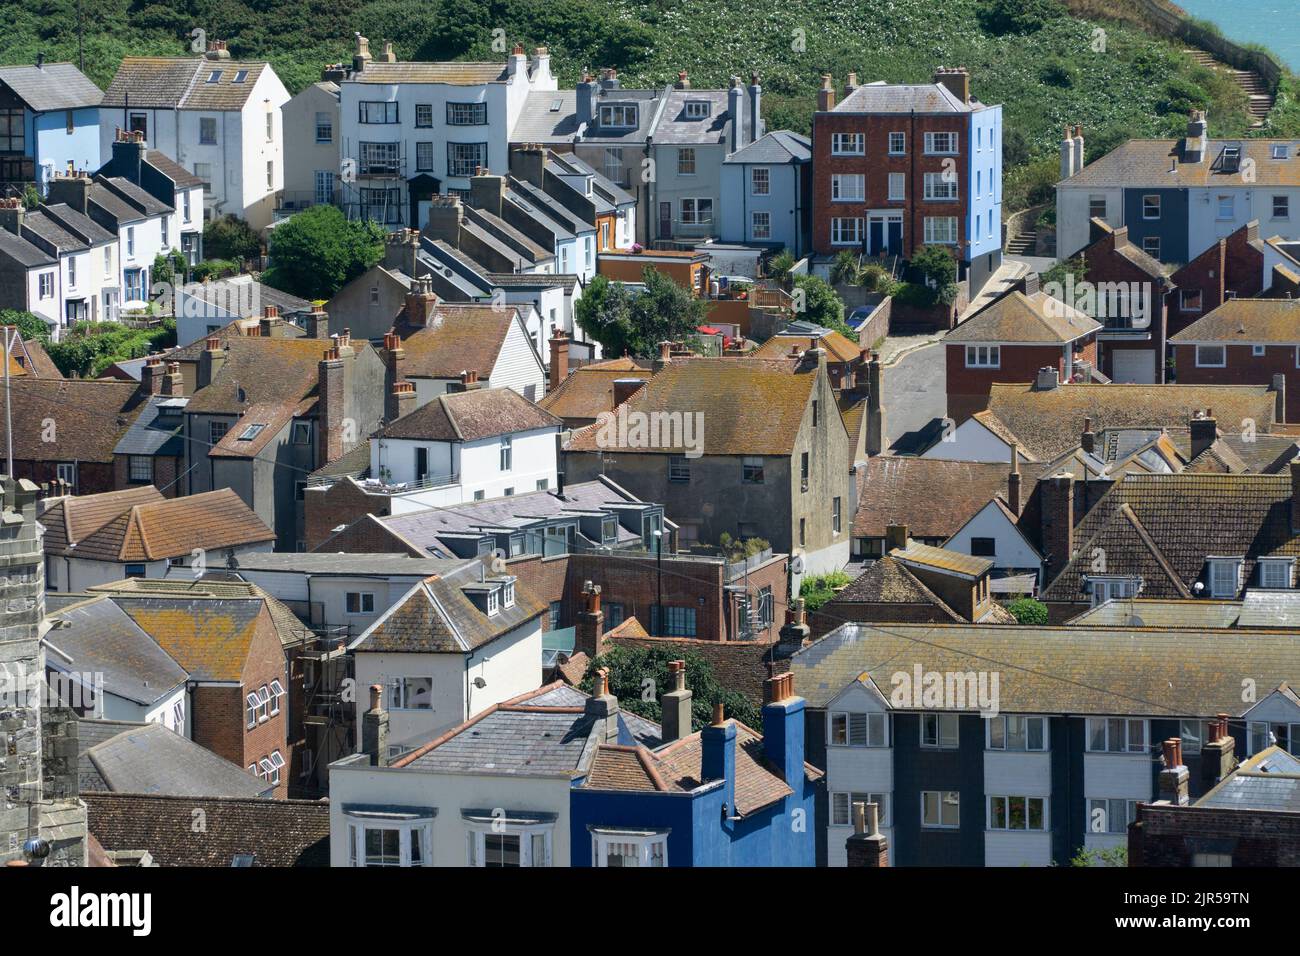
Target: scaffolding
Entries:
(378, 190)
(329, 715)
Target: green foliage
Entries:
(937, 271)
(816, 591)
(779, 266)
(1181, 95)
(1015, 147)
(875, 278)
(318, 251)
(1059, 275)
(229, 237)
(31, 198)
(627, 323)
(735, 549)
(88, 348)
(844, 269)
(214, 269)
(821, 305)
(1017, 16)
(1028, 611)
(1058, 72)
(1031, 184)
(630, 668)
(1115, 856)
(30, 326)
(169, 267)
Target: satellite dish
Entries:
(480, 683)
(1135, 621)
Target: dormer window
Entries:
(493, 602)
(1275, 572)
(1109, 588)
(619, 115)
(697, 109)
(1225, 577)
(508, 594)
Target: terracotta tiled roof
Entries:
(471, 416)
(589, 390)
(573, 668)
(625, 768)
(749, 406)
(269, 371)
(168, 528)
(1049, 421)
(838, 348)
(257, 427)
(1016, 318)
(71, 519)
(272, 832)
(1164, 527)
(630, 627)
(1246, 321)
(88, 418)
(38, 361)
(468, 338)
(941, 559)
(932, 497)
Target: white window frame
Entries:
(1209, 350)
(398, 690)
(760, 185)
(897, 144)
(618, 115)
(839, 231)
(644, 841)
(848, 144)
(940, 187)
(1225, 568)
(1151, 207)
(1225, 207)
(947, 731)
(358, 825)
(277, 691)
(933, 139)
(983, 356)
(506, 456)
(842, 801)
(857, 729)
(360, 602)
(1280, 569)
(1007, 732)
(897, 187)
(1283, 203)
(1108, 725)
(476, 840)
(686, 161)
(263, 704)
(936, 236)
(697, 109)
(940, 802)
(697, 215)
(1043, 826)
(251, 704)
(848, 187)
(1130, 814)
(760, 224)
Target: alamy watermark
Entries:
(636, 429)
(919, 689)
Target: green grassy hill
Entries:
(1117, 84)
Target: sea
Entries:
(1273, 23)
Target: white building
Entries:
(454, 645)
(466, 446)
(219, 118)
(416, 130)
(493, 792)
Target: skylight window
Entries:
(214, 76)
(241, 76)
(251, 432)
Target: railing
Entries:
(380, 487)
(736, 569)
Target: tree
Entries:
(1028, 611)
(627, 323)
(1017, 16)
(229, 237)
(844, 269)
(938, 271)
(169, 267)
(30, 326)
(318, 251)
(779, 266)
(639, 676)
(820, 305)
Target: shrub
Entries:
(821, 305)
(1181, 96)
(779, 266)
(1057, 72)
(874, 278)
(88, 348)
(938, 271)
(1017, 16)
(818, 590)
(318, 251)
(1028, 611)
(630, 667)
(229, 237)
(214, 269)
(844, 270)
(30, 326)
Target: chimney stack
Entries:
(795, 631)
(1078, 148)
(173, 383)
(374, 729)
(1057, 506)
(217, 50)
(1048, 379)
(317, 323)
(394, 357)
(1088, 440)
(1278, 389)
(826, 95)
(1067, 155)
(361, 57)
(875, 438)
(867, 847)
(151, 376)
(755, 117)
(421, 303)
(1204, 431)
(683, 81)
(1173, 784)
(736, 112)
(603, 706)
(718, 757)
(676, 705)
(1218, 753)
(957, 81)
(402, 250)
(487, 191)
(331, 403)
(783, 728)
(11, 215)
(211, 360)
(559, 369)
(589, 624)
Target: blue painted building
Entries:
(724, 796)
(984, 208)
(766, 193)
(49, 117)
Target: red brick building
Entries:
(1012, 340)
(896, 167)
(1232, 268)
(1245, 342)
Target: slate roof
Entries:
(178, 174)
(149, 758)
(1017, 318)
(1162, 613)
(210, 638)
(95, 636)
(1270, 780)
(547, 117)
(675, 128)
(52, 86)
(437, 617)
(1048, 422)
(317, 563)
(880, 97)
(77, 223)
(1140, 163)
(774, 149)
(453, 72)
(26, 254)
(1147, 672)
(151, 528)
(888, 581)
(589, 390)
(158, 82)
(157, 429)
(1242, 321)
(932, 497)
(89, 416)
(469, 337)
(1164, 527)
(471, 416)
(273, 832)
(38, 223)
(254, 296)
(541, 733)
(754, 407)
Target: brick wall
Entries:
(1245, 368)
(1234, 264)
(1106, 265)
(968, 388)
(342, 503)
(165, 472)
(877, 164)
(1171, 836)
(93, 477)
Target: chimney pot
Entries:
(719, 714)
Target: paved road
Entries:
(914, 396)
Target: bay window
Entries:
(616, 847)
(495, 838)
(383, 837)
